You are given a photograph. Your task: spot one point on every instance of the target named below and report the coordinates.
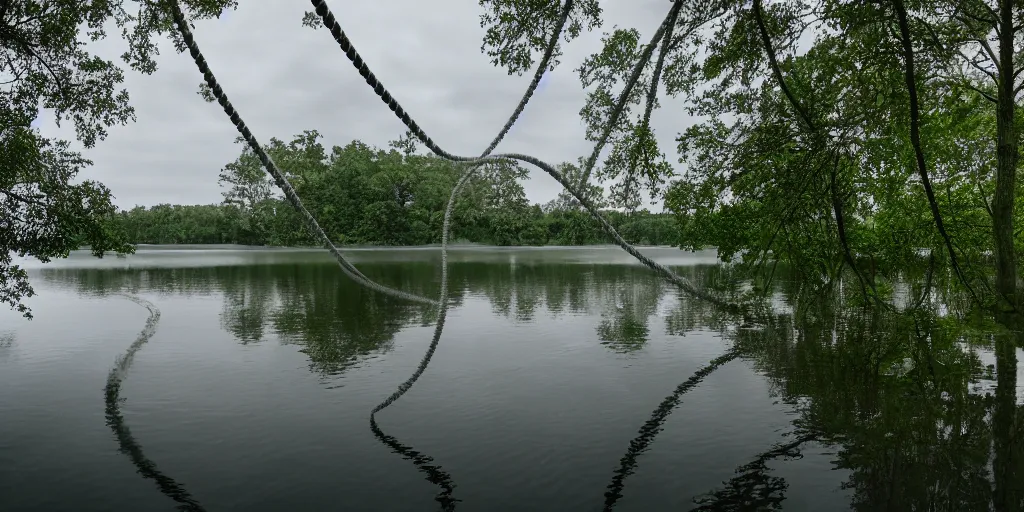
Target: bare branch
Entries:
(974, 63)
(915, 138)
(983, 94)
(774, 64)
(988, 49)
(18, 197)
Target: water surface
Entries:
(563, 381)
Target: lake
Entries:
(565, 379)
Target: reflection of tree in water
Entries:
(628, 302)
(890, 393)
(529, 296)
(1008, 427)
(338, 322)
(7, 339)
(753, 488)
(249, 293)
(334, 319)
(625, 296)
(313, 305)
(564, 287)
(690, 314)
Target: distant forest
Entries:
(367, 196)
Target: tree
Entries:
(44, 215)
(45, 64)
(967, 31)
(830, 134)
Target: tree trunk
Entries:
(1007, 153)
(1008, 491)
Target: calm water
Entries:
(564, 380)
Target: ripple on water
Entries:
(256, 390)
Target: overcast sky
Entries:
(285, 78)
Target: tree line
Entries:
(363, 195)
(837, 136)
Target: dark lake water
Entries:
(564, 380)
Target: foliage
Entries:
(511, 44)
(44, 65)
(368, 196)
(819, 128)
(45, 215)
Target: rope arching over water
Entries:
(279, 178)
(378, 87)
(434, 473)
(364, 70)
(463, 180)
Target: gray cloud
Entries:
(285, 78)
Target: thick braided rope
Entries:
(423, 462)
(672, 277)
(392, 103)
(414, 128)
(463, 180)
(652, 96)
(627, 90)
(442, 300)
(346, 45)
(537, 75)
(126, 441)
(279, 178)
(652, 92)
(435, 474)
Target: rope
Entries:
(272, 169)
(435, 474)
(463, 180)
(442, 310)
(620, 105)
(445, 230)
(423, 462)
(331, 23)
(115, 420)
(652, 97)
(346, 45)
(537, 75)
